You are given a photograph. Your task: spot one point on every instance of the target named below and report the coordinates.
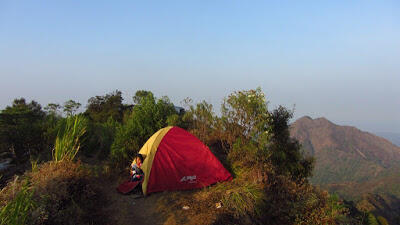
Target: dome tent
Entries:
(176, 160)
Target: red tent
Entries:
(177, 160)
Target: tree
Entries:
(70, 107)
(200, 119)
(100, 108)
(146, 118)
(21, 128)
(53, 108)
(141, 94)
(245, 115)
(286, 151)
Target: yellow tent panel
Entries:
(148, 151)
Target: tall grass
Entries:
(18, 210)
(245, 199)
(68, 141)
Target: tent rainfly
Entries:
(176, 160)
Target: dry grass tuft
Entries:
(64, 193)
(239, 200)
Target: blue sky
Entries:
(337, 59)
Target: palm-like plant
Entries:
(68, 141)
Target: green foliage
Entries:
(245, 199)
(270, 185)
(52, 124)
(245, 115)
(18, 210)
(382, 220)
(146, 118)
(101, 108)
(372, 219)
(100, 137)
(247, 130)
(68, 141)
(141, 94)
(52, 108)
(268, 166)
(201, 121)
(70, 107)
(286, 152)
(174, 120)
(21, 128)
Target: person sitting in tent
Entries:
(136, 172)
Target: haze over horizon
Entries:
(338, 60)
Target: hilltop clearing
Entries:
(270, 173)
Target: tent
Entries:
(174, 159)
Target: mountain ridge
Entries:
(348, 158)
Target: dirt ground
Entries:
(129, 209)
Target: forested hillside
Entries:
(355, 164)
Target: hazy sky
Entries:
(337, 59)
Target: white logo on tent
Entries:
(190, 179)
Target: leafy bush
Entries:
(286, 152)
(382, 220)
(100, 137)
(200, 120)
(146, 118)
(372, 219)
(68, 141)
(249, 131)
(245, 115)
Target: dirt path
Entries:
(126, 210)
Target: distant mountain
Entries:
(349, 161)
(393, 137)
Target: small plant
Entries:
(34, 164)
(68, 141)
(18, 210)
(243, 200)
(382, 220)
(372, 219)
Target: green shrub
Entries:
(18, 210)
(146, 118)
(200, 120)
(247, 130)
(69, 139)
(382, 220)
(99, 138)
(371, 220)
(244, 114)
(174, 120)
(246, 199)
(286, 152)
